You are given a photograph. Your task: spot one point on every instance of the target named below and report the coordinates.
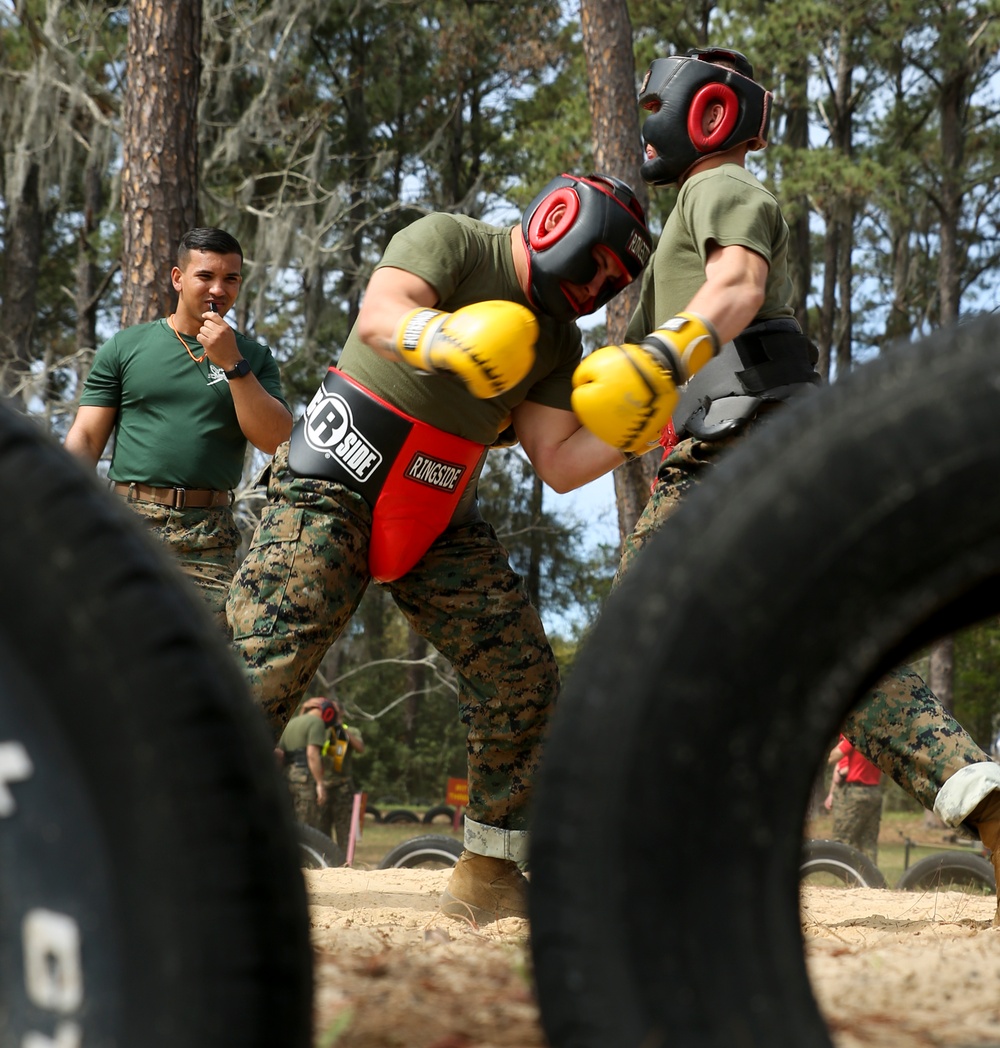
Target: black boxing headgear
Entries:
(677, 91)
(600, 211)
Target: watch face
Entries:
(242, 368)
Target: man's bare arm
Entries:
(88, 436)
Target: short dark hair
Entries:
(207, 238)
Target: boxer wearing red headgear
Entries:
(465, 334)
(597, 217)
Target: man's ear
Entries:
(713, 117)
(554, 217)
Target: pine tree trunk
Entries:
(952, 105)
(159, 150)
(20, 288)
(614, 116)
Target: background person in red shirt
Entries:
(855, 799)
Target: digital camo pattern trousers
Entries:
(203, 542)
(340, 799)
(302, 581)
(305, 804)
(899, 725)
(857, 815)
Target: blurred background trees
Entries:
(314, 130)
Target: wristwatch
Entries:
(242, 368)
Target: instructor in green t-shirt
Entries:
(183, 395)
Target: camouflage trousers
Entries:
(203, 542)
(340, 798)
(900, 725)
(301, 582)
(857, 815)
(302, 788)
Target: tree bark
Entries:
(159, 150)
(20, 288)
(953, 106)
(800, 240)
(416, 682)
(614, 118)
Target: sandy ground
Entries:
(889, 969)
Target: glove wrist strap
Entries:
(687, 342)
(414, 335)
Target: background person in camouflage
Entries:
(722, 255)
(301, 751)
(341, 744)
(320, 541)
(183, 395)
(855, 799)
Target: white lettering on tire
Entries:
(15, 766)
(67, 1035)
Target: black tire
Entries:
(373, 812)
(851, 529)
(946, 871)
(401, 815)
(430, 850)
(150, 875)
(318, 851)
(841, 862)
(442, 811)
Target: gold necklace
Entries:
(197, 360)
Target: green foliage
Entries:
(326, 125)
(566, 572)
(396, 769)
(550, 127)
(977, 682)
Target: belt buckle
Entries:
(180, 498)
(132, 493)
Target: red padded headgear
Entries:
(601, 211)
(327, 710)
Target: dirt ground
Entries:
(889, 969)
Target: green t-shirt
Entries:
(465, 261)
(725, 205)
(176, 424)
(302, 731)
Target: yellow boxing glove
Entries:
(626, 394)
(489, 345)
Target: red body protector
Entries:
(412, 474)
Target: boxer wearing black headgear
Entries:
(677, 92)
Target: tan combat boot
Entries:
(483, 889)
(986, 820)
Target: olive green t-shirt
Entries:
(725, 205)
(176, 424)
(465, 261)
(302, 731)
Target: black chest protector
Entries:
(767, 363)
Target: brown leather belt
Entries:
(177, 498)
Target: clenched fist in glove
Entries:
(626, 394)
(490, 345)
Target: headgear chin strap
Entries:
(679, 91)
(597, 211)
